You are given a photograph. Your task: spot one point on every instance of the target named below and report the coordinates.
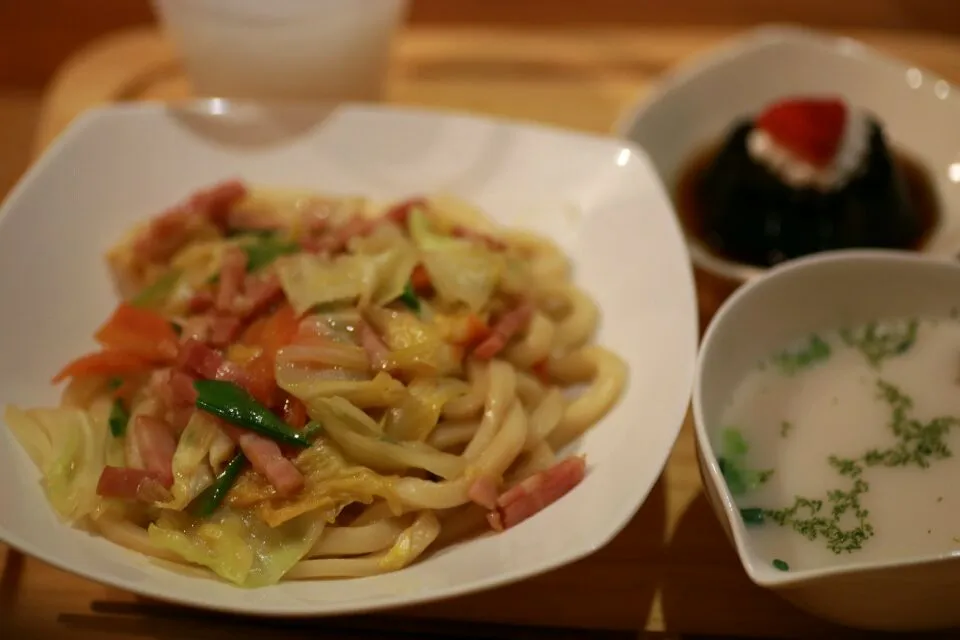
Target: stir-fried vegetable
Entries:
(235, 405)
(238, 547)
(459, 270)
(68, 448)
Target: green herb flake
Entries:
(917, 443)
(780, 565)
(791, 362)
(843, 524)
(878, 342)
(840, 519)
(785, 428)
(752, 515)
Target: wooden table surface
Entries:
(671, 571)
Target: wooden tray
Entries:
(671, 569)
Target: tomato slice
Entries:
(475, 332)
(109, 362)
(259, 379)
(141, 332)
(295, 412)
(279, 330)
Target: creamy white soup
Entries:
(843, 447)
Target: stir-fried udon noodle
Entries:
(297, 386)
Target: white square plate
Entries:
(598, 197)
(697, 103)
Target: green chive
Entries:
(156, 293)
(753, 515)
(409, 298)
(212, 497)
(118, 419)
(235, 405)
(781, 565)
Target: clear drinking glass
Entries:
(303, 50)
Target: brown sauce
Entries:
(918, 185)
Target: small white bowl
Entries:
(823, 291)
(696, 104)
(119, 165)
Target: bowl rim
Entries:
(219, 107)
(762, 575)
(727, 52)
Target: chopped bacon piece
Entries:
(536, 492)
(125, 483)
(176, 391)
(195, 328)
(165, 234)
(315, 219)
(253, 220)
(215, 203)
(337, 239)
(260, 292)
(170, 230)
(507, 327)
(483, 491)
(232, 274)
(266, 457)
(200, 301)
(156, 444)
(377, 350)
(224, 330)
(401, 211)
(470, 234)
(174, 388)
(200, 359)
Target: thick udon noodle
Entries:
(508, 425)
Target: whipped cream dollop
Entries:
(798, 172)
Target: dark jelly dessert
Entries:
(806, 175)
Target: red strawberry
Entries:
(811, 128)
